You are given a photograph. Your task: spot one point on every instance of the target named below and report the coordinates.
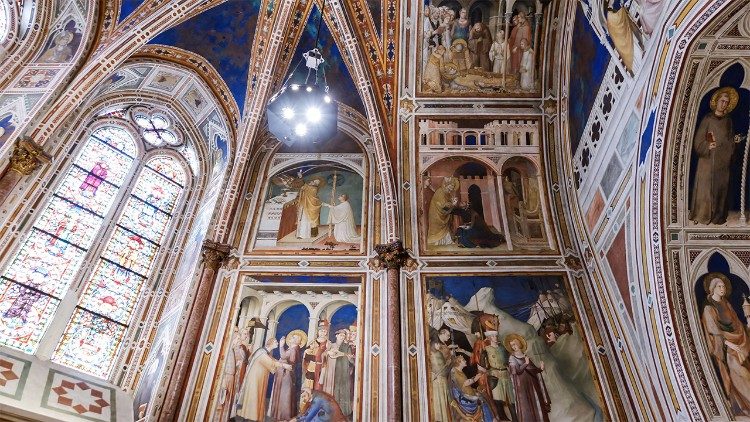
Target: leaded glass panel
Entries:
(24, 315)
(46, 263)
(144, 218)
(51, 254)
(130, 250)
(102, 162)
(157, 190)
(118, 138)
(69, 222)
(112, 291)
(90, 343)
(76, 189)
(168, 167)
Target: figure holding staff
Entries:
(714, 144)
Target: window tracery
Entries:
(155, 128)
(54, 253)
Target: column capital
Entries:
(214, 254)
(27, 156)
(392, 256)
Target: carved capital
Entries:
(214, 254)
(27, 156)
(392, 256)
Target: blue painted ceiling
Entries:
(337, 74)
(127, 7)
(222, 35)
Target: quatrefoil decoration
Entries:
(156, 128)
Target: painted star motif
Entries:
(80, 397)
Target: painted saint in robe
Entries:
(251, 402)
(286, 387)
(521, 31)
(532, 399)
(440, 367)
(499, 53)
(439, 215)
(527, 66)
(341, 217)
(480, 42)
(234, 373)
(95, 177)
(338, 365)
(302, 215)
(61, 50)
(728, 341)
(714, 144)
(313, 362)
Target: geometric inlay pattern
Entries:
(13, 374)
(74, 396)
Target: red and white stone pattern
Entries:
(83, 398)
(11, 370)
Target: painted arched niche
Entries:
(705, 206)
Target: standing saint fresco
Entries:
(728, 342)
(714, 145)
(439, 215)
(251, 400)
(234, 372)
(532, 399)
(286, 386)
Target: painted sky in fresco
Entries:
(224, 36)
(337, 74)
(514, 294)
(589, 62)
(127, 7)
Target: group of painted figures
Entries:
(310, 379)
(460, 56)
(506, 384)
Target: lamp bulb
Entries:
(313, 114)
(287, 113)
(300, 129)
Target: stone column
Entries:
(392, 257)
(26, 157)
(214, 255)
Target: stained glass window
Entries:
(93, 335)
(48, 259)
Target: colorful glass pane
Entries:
(118, 138)
(168, 167)
(112, 291)
(130, 250)
(95, 198)
(145, 219)
(24, 315)
(103, 162)
(69, 222)
(157, 190)
(89, 343)
(46, 263)
(52, 252)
